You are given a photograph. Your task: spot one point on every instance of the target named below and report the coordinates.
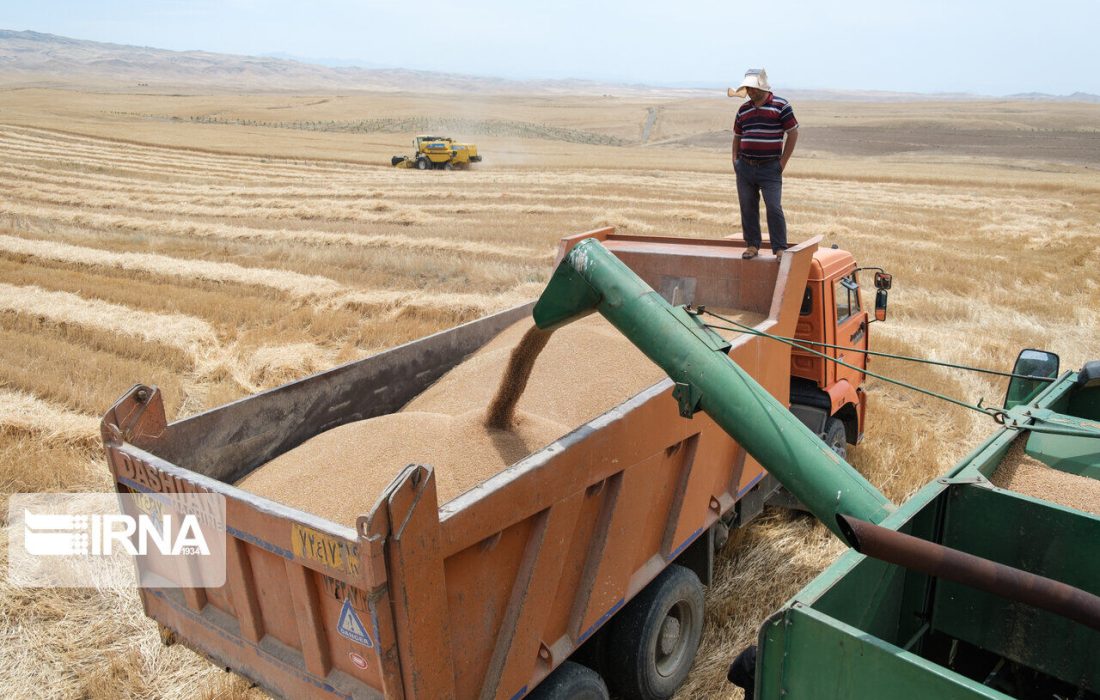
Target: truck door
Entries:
(851, 329)
(813, 325)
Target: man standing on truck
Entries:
(760, 155)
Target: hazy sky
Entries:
(983, 46)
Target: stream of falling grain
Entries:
(522, 361)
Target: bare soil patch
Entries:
(1057, 146)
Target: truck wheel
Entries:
(654, 639)
(836, 437)
(448, 166)
(569, 681)
(422, 164)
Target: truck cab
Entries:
(826, 396)
(833, 320)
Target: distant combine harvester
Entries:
(439, 153)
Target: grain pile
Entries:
(583, 370)
(340, 473)
(1024, 474)
(587, 367)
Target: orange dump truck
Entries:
(593, 549)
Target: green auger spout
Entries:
(591, 279)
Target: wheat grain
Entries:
(1022, 473)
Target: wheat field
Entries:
(217, 245)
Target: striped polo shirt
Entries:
(761, 128)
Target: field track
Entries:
(215, 275)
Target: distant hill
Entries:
(34, 59)
(37, 59)
(1042, 96)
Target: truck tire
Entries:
(569, 681)
(836, 437)
(423, 164)
(654, 639)
(448, 166)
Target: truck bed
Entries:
(483, 596)
(444, 426)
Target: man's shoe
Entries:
(778, 253)
(750, 252)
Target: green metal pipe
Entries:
(591, 279)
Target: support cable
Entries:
(998, 414)
(907, 358)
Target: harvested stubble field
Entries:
(201, 244)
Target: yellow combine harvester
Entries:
(438, 152)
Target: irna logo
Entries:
(117, 540)
(59, 535)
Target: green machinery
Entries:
(991, 594)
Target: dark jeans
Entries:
(753, 179)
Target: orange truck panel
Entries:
(482, 596)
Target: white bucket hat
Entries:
(754, 78)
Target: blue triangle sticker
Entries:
(352, 627)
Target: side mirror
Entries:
(880, 304)
(883, 280)
(1038, 368)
